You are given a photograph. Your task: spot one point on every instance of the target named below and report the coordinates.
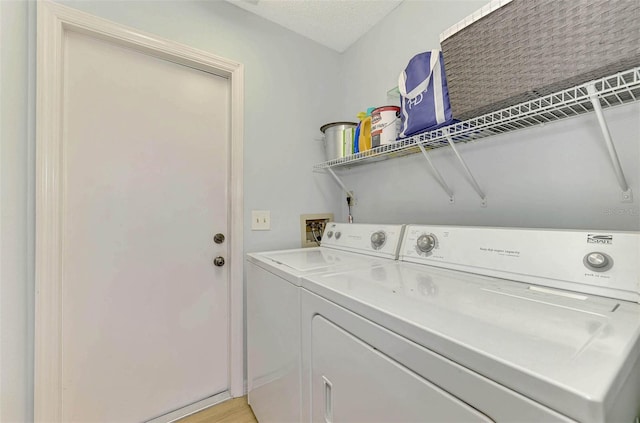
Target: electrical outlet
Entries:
(260, 220)
(354, 200)
(312, 227)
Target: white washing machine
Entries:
(478, 324)
(273, 308)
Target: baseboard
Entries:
(191, 409)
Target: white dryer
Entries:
(478, 324)
(273, 308)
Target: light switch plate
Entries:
(260, 220)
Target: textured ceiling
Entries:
(334, 23)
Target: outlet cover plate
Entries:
(260, 220)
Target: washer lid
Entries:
(569, 351)
(309, 260)
(298, 262)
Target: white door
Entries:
(145, 160)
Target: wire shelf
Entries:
(614, 90)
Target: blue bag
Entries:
(424, 94)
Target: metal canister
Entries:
(334, 138)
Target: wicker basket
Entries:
(529, 48)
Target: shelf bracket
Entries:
(437, 175)
(627, 194)
(339, 181)
(472, 180)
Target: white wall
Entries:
(291, 84)
(16, 248)
(557, 176)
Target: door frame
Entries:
(53, 21)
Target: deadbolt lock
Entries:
(218, 238)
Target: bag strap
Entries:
(402, 79)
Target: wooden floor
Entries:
(235, 410)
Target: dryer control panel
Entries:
(372, 239)
(598, 262)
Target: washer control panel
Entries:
(603, 263)
(380, 240)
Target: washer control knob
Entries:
(598, 261)
(338, 235)
(329, 234)
(378, 239)
(426, 243)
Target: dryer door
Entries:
(354, 382)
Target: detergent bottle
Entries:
(364, 133)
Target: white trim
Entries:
(236, 240)
(53, 20)
(191, 409)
